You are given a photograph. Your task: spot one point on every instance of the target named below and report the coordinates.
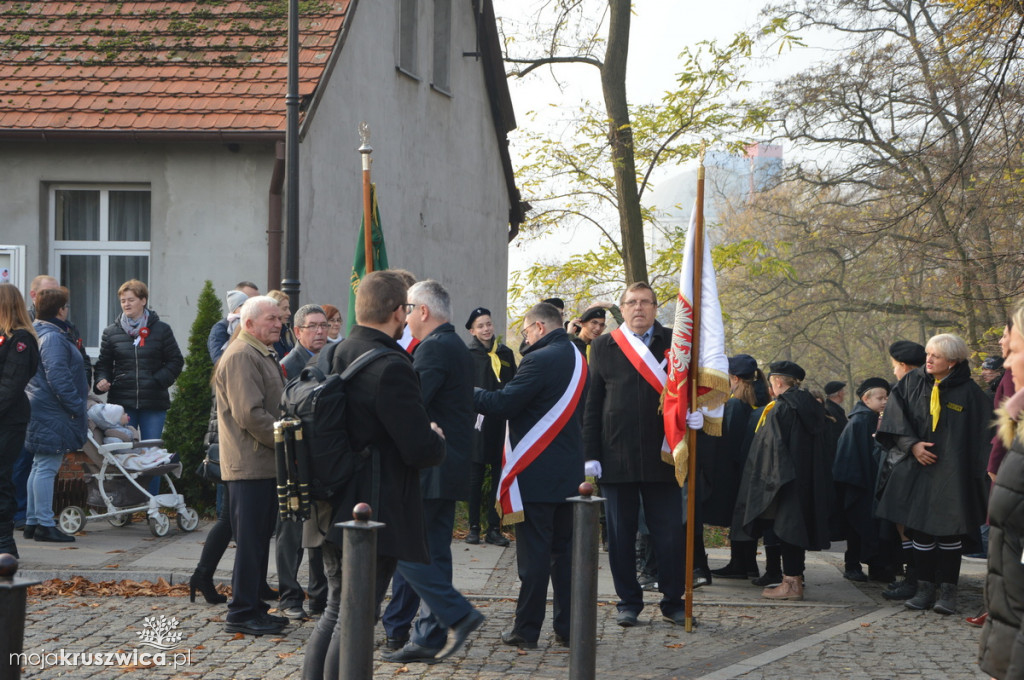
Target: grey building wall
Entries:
(209, 211)
(441, 190)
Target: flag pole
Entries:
(691, 435)
(365, 149)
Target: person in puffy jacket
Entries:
(139, 361)
(58, 424)
(19, 360)
(1001, 648)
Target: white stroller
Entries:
(115, 493)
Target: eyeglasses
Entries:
(316, 326)
(635, 303)
(528, 326)
(409, 306)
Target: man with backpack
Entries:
(385, 413)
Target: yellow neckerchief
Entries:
(588, 352)
(495, 361)
(764, 414)
(935, 406)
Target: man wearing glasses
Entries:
(542, 467)
(310, 337)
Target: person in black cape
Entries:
(786, 478)
(936, 429)
(854, 472)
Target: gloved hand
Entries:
(592, 468)
(695, 420)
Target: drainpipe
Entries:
(274, 231)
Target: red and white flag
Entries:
(712, 364)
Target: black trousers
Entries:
(12, 439)
(662, 503)
(289, 552)
(323, 646)
(253, 504)
(543, 553)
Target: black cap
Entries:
(992, 364)
(742, 365)
(557, 302)
(479, 311)
(833, 386)
(872, 383)
(592, 313)
(907, 352)
(787, 368)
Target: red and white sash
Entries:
(642, 358)
(644, 362)
(533, 443)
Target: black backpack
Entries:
(316, 397)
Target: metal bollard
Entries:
(583, 615)
(358, 595)
(13, 594)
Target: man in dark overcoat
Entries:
(550, 370)
(623, 436)
(385, 412)
(445, 370)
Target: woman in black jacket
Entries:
(19, 360)
(139, 361)
(1001, 649)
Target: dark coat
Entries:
(19, 361)
(57, 395)
(489, 441)
(295, 361)
(854, 473)
(946, 498)
(543, 376)
(787, 477)
(623, 428)
(725, 469)
(385, 410)
(1001, 648)
(1003, 391)
(445, 369)
(139, 375)
(217, 339)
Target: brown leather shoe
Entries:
(791, 588)
(978, 620)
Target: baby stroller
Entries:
(117, 488)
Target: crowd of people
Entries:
(903, 477)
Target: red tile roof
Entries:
(207, 66)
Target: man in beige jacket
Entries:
(248, 384)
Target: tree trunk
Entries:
(620, 136)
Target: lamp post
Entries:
(290, 283)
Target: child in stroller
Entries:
(112, 419)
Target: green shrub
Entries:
(189, 414)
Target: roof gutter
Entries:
(141, 136)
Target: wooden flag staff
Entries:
(365, 149)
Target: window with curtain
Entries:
(100, 238)
(441, 75)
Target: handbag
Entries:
(210, 467)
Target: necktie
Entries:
(495, 361)
(935, 406)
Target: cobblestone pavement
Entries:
(842, 630)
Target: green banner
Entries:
(380, 257)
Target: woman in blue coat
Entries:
(57, 395)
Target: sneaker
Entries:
(903, 590)
(295, 613)
(626, 619)
(701, 577)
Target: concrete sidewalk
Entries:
(842, 629)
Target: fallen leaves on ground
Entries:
(80, 586)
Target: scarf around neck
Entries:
(133, 326)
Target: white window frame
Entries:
(102, 246)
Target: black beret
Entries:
(907, 352)
(787, 368)
(742, 365)
(592, 313)
(833, 386)
(557, 302)
(992, 364)
(872, 383)
(479, 311)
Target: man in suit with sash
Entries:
(542, 467)
(624, 440)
